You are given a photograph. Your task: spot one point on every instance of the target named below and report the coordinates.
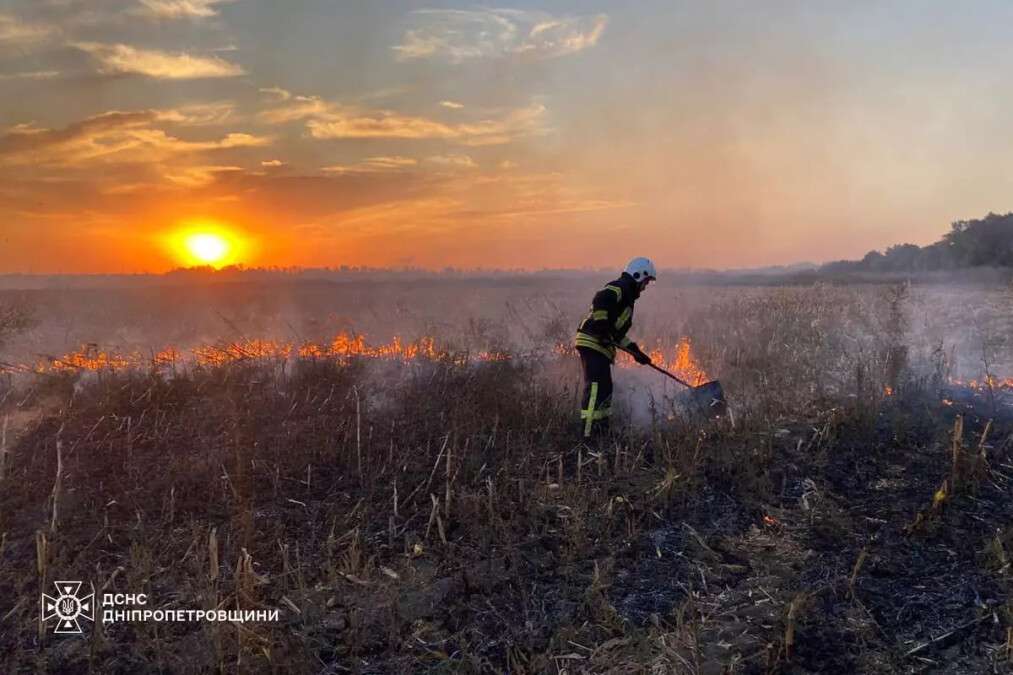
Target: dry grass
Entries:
(439, 516)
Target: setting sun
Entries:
(205, 242)
(207, 247)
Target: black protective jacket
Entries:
(610, 318)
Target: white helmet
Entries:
(641, 269)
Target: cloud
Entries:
(272, 163)
(112, 137)
(120, 58)
(326, 120)
(197, 176)
(350, 123)
(16, 32)
(453, 105)
(296, 108)
(385, 164)
(458, 35)
(180, 9)
(199, 114)
(276, 93)
(32, 75)
(453, 161)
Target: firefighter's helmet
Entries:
(641, 269)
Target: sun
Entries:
(207, 247)
(206, 243)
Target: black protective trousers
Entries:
(596, 404)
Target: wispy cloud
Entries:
(197, 176)
(22, 33)
(374, 165)
(180, 9)
(112, 137)
(453, 161)
(460, 35)
(199, 114)
(326, 120)
(453, 105)
(120, 58)
(272, 163)
(276, 93)
(296, 107)
(389, 124)
(32, 75)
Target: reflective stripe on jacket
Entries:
(610, 317)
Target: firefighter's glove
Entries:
(638, 354)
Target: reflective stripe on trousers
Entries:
(596, 405)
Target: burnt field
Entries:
(406, 488)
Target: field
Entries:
(395, 468)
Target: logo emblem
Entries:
(67, 607)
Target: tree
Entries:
(985, 242)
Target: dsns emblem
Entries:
(67, 607)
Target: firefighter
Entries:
(602, 330)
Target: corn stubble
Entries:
(442, 517)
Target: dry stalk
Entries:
(439, 456)
(789, 630)
(55, 497)
(358, 432)
(41, 563)
(213, 555)
(855, 570)
(958, 441)
(172, 504)
(434, 516)
(446, 492)
(980, 469)
(130, 442)
(3, 448)
(286, 568)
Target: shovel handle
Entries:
(677, 379)
(662, 370)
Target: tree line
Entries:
(984, 242)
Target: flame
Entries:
(988, 382)
(343, 346)
(682, 362)
(888, 391)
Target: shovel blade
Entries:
(709, 399)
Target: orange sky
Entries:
(570, 134)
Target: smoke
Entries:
(643, 397)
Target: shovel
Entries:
(708, 398)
